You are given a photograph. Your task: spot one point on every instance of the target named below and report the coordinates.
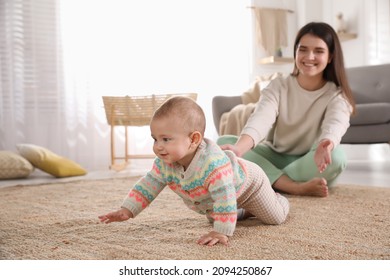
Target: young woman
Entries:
(296, 128)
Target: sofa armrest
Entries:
(222, 104)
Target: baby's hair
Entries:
(186, 111)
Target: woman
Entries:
(295, 131)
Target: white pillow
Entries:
(14, 166)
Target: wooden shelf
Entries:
(276, 60)
(347, 36)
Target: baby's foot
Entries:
(314, 187)
(243, 214)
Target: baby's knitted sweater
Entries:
(210, 185)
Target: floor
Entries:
(368, 165)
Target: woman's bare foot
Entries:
(314, 187)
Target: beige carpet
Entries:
(59, 221)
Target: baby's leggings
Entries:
(260, 199)
(300, 168)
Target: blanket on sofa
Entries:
(233, 122)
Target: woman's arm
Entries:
(336, 120)
(243, 144)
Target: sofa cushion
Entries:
(371, 113)
(14, 166)
(370, 84)
(50, 162)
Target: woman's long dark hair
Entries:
(335, 70)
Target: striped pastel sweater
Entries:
(210, 185)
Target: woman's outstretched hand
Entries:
(243, 145)
(230, 147)
(322, 156)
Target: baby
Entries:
(210, 181)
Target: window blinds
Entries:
(30, 70)
(379, 32)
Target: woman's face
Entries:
(312, 56)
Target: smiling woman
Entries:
(111, 48)
(297, 125)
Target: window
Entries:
(379, 31)
(59, 57)
(30, 73)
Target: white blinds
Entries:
(31, 72)
(379, 32)
(34, 105)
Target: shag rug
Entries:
(59, 222)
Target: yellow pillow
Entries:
(50, 162)
(14, 166)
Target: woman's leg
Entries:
(294, 174)
(303, 178)
(304, 168)
(312, 187)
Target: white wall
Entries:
(361, 18)
(357, 14)
(354, 14)
(258, 52)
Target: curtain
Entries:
(31, 74)
(378, 25)
(59, 57)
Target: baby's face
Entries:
(171, 142)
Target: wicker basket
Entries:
(134, 110)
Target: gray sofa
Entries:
(371, 88)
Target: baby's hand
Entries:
(213, 238)
(118, 216)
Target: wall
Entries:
(258, 52)
(369, 19)
(358, 15)
(355, 53)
